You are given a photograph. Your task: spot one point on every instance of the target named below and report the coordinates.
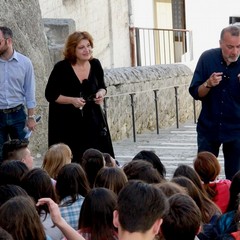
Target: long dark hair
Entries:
(112, 178)
(151, 157)
(207, 207)
(97, 213)
(92, 162)
(37, 183)
(18, 216)
(72, 181)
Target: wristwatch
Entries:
(206, 85)
(32, 117)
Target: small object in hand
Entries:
(81, 108)
(27, 130)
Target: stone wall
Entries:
(57, 31)
(142, 81)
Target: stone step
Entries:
(173, 146)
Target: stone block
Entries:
(57, 31)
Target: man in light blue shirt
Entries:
(17, 91)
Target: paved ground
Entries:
(174, 146)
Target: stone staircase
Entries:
(174, 146)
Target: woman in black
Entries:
(75, 92)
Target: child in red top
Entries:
(208, 168)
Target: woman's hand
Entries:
(78, 102)
(100, 96)
(53, 209)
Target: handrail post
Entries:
(105, 106)
(194, 111)
(133, 116)
(176, 102)
(156, 108)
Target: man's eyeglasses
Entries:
(3, 40)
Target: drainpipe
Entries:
(130, 14)
(111, 49)
(131, 33)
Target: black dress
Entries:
(79, 129)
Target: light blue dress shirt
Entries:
(17, 82)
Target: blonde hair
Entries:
(55, 158)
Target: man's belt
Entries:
(11, 110)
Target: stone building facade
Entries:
(106, 20)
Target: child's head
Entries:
(112, 178)
(97, 213)
(71, 182)
(19, 217)
(183, 219)
(55, 158)
(92, 161)
(141, 206)
(16, 149)
(142, 170)
(207, 166)
(153, 158)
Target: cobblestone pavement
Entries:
(174, 146)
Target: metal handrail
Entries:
(155, 91)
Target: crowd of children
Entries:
(96, 199)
